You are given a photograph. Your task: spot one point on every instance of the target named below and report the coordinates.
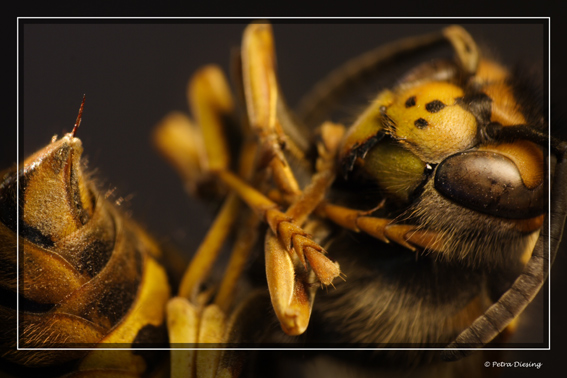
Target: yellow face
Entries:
(428, 120)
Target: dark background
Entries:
(134, 72)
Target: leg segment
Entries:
(383, 229)
(261, 92)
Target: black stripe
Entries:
(8, 200)
(95, 256)
(8, 300)
(8, 209)
(116, 299)
(97, 245)
(82, 214)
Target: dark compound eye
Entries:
(421, 123)
(434, 106)
(410, 102)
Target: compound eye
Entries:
(490, 183)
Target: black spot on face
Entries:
(410, 102)
(434, 106)
(421, 123)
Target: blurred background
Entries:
(133, 72)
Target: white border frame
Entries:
(270, 18)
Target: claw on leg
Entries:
(325, 269)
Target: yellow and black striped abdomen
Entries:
(88, 277)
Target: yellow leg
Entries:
(292, 236)
(292, 297)
(212, 332)
(382, 228)
(183, 329)
(198, 151)
(288, 226)
(261, 92)
(210, 101)
(190, 326)
(209, 249)
(181, 144)
(245, 240)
